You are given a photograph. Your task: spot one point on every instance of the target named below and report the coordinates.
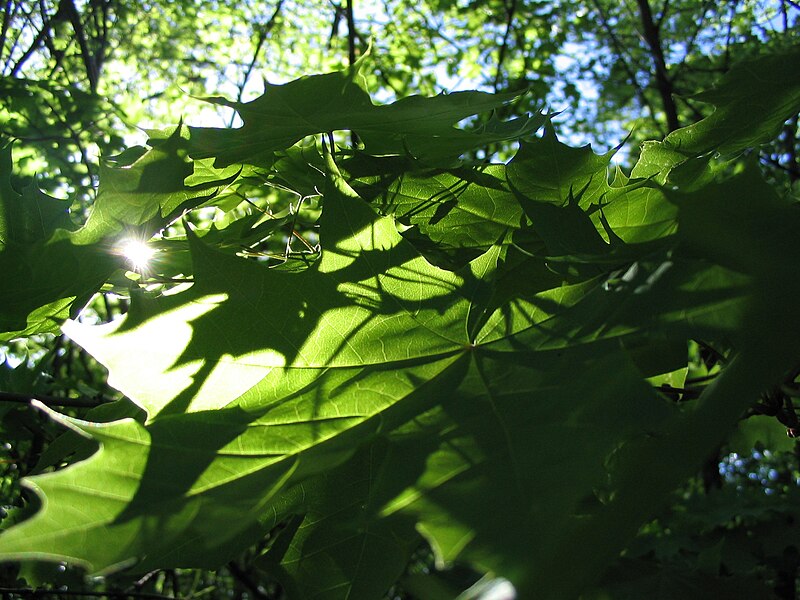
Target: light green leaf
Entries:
(28, 217)
(145, 195)
(370, 299)
(465, 208)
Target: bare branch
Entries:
(501, 56)
(37, 41)
(619, 48)
(652, 36)
(89, 63)
(262, 37)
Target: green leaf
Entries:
(635, 579)
(371, 304)
(761, 430)
(522, 437)
(50, 273)
(546, 170)
(28, 217)
(637, 213)
(45, 281)
(418, 126)
(465, 208)
(145, 195)
(500, 407)
(340, 550)
(370, 299)
(752, 101)
(162, 493)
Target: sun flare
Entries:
(138, 253)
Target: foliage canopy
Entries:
(495, 359)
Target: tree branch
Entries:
(620, 50)
(89, 63)
(244, 578)
(40, 36)
(262, 37)
(51, 401)
(501, 56)
(351, 32)
(663, 83)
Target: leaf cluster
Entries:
(383, 345)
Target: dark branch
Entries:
(89, 62)
(351, 32)
(652, 36)
(53, 400)
(262, 37)
(26, 592)
(244, 578)
(501, 56)
(37, 41)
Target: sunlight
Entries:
(137, 252)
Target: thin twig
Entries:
(690, 44)
(40, 36)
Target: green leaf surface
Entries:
(50, 272)
(546, 170)
(160, 490)
(418, 126)
(503, 408)
(146, 194)
(504, 442)
(370, 299)
(43, 280)
(340, 550)
(28, 217)
(465, 208)
(752, 101)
